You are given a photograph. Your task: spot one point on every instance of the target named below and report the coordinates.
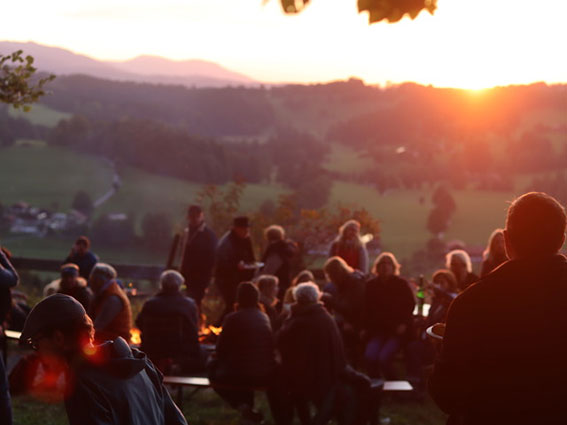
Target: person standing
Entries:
(8, 279)
(277, 257)
(350, 247)
(234, 262)
(502, 359)
(494, 254)
(199, 244)
(82, 256)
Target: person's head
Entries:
(337, 270)
(306, 293)
(386, 265)
(241, 227)
(171, 281)
(101, 274)
(247, 295)
(195, 216)
(446, 280)
(69, 275)
(303, 276)
(496, 247)
(350, 231)
(274, 233)
(459, 262)
(535, 226)
(58, 328)
(82, 245)
(268, 286)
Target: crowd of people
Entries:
(316, 348)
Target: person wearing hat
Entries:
(70, 283)
(244, 355)
(82, 256)
(198, 248)
(235, 258)
(104, 384)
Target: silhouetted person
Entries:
(75, 286)
(82, 256)
(389, 304)
(105, 384)
(110, 308)
(268, 288)
(278, 256)
(494, 254)
(169, 323)
(244, 355)
(459, 262)
(234, 262)
(350, 247)
(8, 279)
(503, 355)
(198, 244)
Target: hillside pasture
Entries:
(40, 115)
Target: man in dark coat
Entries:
(82, 256)
(105, 384)
(235, 260)
(8, 279)
(169, 323)
(278, 256)
(502, 360)
(199, 244)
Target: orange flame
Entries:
(135, 336)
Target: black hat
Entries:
(241, 221)
(69, 269)
(55, 310)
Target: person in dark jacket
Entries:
(8, 279)
(82, 256)
(235, 261)
(75, 286)
(244, 355)
(495, 252)
(169, 325)
(277, 257)
(459, 262)
(268, 288)
(502, 359)
(198, 244)
(110, 308)
(108, 384)
(389, 304)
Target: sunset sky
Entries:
(469, 44)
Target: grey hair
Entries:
(306, 293)
(461, 255)
(104, 271)
(266, 283)
(171, 280)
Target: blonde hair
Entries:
(337, 269)
(449, 276)
(266, 282)
(392, 258)
(274, 233)
(489, 251)
(461, 255)
(349, 224)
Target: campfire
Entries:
(135, 337)
(209, 334)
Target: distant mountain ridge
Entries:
(150, 69)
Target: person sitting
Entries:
(244, 357)
(110, 308)
(314, 369)
(289, 298)
(278, 256)
(420, 351)
(388, 315)
(459, 262)
(169, 325)
(350, 247)
(502, 358)
(494, 254)
(70, 283)
(82, 256)
(105, 384)
(268, 287)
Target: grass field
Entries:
(206, 408)
(40, 115)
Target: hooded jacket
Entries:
(118, 386)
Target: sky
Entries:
(467, 44)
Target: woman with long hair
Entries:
(495, 252)
(350, 247)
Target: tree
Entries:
(83, 203)
(378, 10)
(17, 85)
